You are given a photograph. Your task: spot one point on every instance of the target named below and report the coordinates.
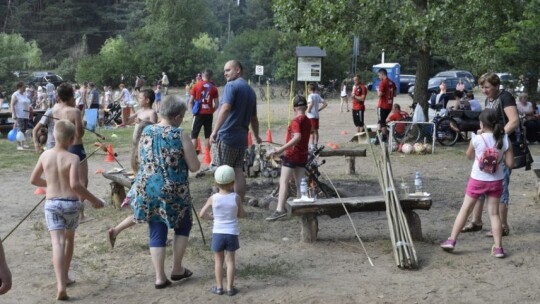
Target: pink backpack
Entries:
(489, 160)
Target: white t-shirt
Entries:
(524, 109)
(479, 147)
(344, 91)
(225, 213)
(22, 105)
(315, 99)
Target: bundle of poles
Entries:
(400, 235)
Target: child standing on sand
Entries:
(488, 149)
(226, 208)
(62, 207)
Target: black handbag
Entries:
(522, 155)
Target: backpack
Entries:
(489, 160)
(198, 103)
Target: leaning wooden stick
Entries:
(97, 134)
(41, 201)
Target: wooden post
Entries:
(350, 167)
(310, 228)
(415, 225)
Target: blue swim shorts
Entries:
(78, 150)
(62, 213)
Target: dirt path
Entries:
(273, 265)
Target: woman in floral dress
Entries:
(160, 195)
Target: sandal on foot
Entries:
(471, 227)
(187, 273)
(231, 292)
(217, 290)
(163, 285)
(505, 232)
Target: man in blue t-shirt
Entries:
(237, 110)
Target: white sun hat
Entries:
(224, 175)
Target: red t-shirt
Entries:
(388, 87)
(299, 152)
(207, 106)
(358, 90)
(395, 116)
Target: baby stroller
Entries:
(113, 114)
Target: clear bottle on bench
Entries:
(418, 182)
(303, 188)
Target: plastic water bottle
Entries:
(303, 188)
(418, 182)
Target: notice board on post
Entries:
(309, 63)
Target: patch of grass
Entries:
(276, 268)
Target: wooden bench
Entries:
(350, 157)
(334, 208)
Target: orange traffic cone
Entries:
(250, 140)
(110, 154)
(39, 191)
(269, 136)
(198, 147)
(207, 160)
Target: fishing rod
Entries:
(97, 134)
(41, 201)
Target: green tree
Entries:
(17, 54)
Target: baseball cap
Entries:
(224, 175)
(299, 101)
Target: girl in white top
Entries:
(226, 208)
(344, 99)
(482, 181)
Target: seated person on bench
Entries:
(528, 118)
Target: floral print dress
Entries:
(160, 192)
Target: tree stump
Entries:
(118, 194)
(415, 225)
(310, 228)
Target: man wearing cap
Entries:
(295, 155)
(237, 111)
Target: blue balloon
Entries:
(12, 135)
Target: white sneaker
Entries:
(19, 148)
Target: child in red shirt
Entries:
(295, 155)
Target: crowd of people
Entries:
(164, 153)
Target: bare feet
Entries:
(112, 237)
(62, 296)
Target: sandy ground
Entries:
(273, 265)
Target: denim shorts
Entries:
(227, 242)
(476, 188)
(62, 213)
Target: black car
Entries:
(451, 83)
(405, 81)
(457, 74)
(40, 79)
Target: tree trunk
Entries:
(423, 64)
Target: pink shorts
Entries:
(476, 188)
(314, 123)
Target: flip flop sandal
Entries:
(471, 227)
(187, 273)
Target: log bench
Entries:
(118, 182)
(333, 208)
(350, 157)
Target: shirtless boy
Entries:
(65, 109)
(61, 178)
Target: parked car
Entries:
(451, 83)
(405, 81)
(457, 74)
(508, 82)
(40, 79)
